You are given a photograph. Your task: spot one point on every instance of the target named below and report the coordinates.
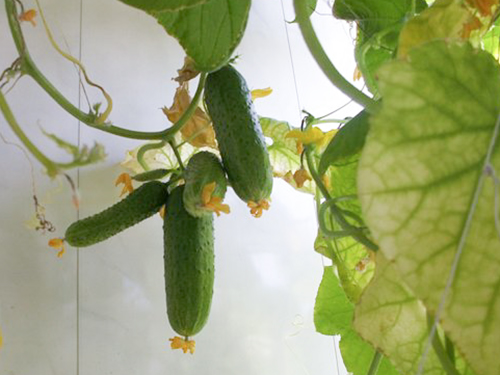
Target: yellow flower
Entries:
(212, 203)
(184, 344)
(310, 136)
(261, 93)
(126, 180)
(28, 16)
(257, 208)
(301, 176)
(58, 244)
(197, 130)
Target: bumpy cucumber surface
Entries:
(239, 134)
(137, 206)
(203, 168)
(189, 266)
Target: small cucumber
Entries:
(203, 171)
(239, 135)
(189, 266)
(139, 205)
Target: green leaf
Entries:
(358, 354)
(418, 175)
(394, 321)
(283, 152)
(348, 142)
(209, 32)
(81, 156)
(379, 23)
(163, 5)
(333, 311)
(374, 15)
(333, 315)
(372, 51)
(491, 40)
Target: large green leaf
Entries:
(209, 32)
(163, 5)
(421, 167)
(394, 321)
(333, 314)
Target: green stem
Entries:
(440, 351)
(175, 149)
(324, 62)
(29, 67)
(334, 209)
(52, 169)
(329, 121)
(377, 358)
(142, 151)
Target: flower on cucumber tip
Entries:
(211, 202)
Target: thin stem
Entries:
(142, 151)
(52, 169)
(329, 121)
(324, 62)
(377, 358)
(175, 149)
(335, 211)
(91, 119)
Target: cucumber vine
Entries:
(404, 203)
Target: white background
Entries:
(103, 312)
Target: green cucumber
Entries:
(137, 206)
(203, 168)
(189, 266)
(239, 134)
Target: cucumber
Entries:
(189, 266)
(239, 135)
(204, 168)
(139, 205)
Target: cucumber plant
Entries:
(407, 190)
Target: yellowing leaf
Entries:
(261, 93)
(485, 7)
(445, 19)
(197, 130)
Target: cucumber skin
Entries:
(142, 203)
(239, 134)
(189, 266)
(203, 168)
